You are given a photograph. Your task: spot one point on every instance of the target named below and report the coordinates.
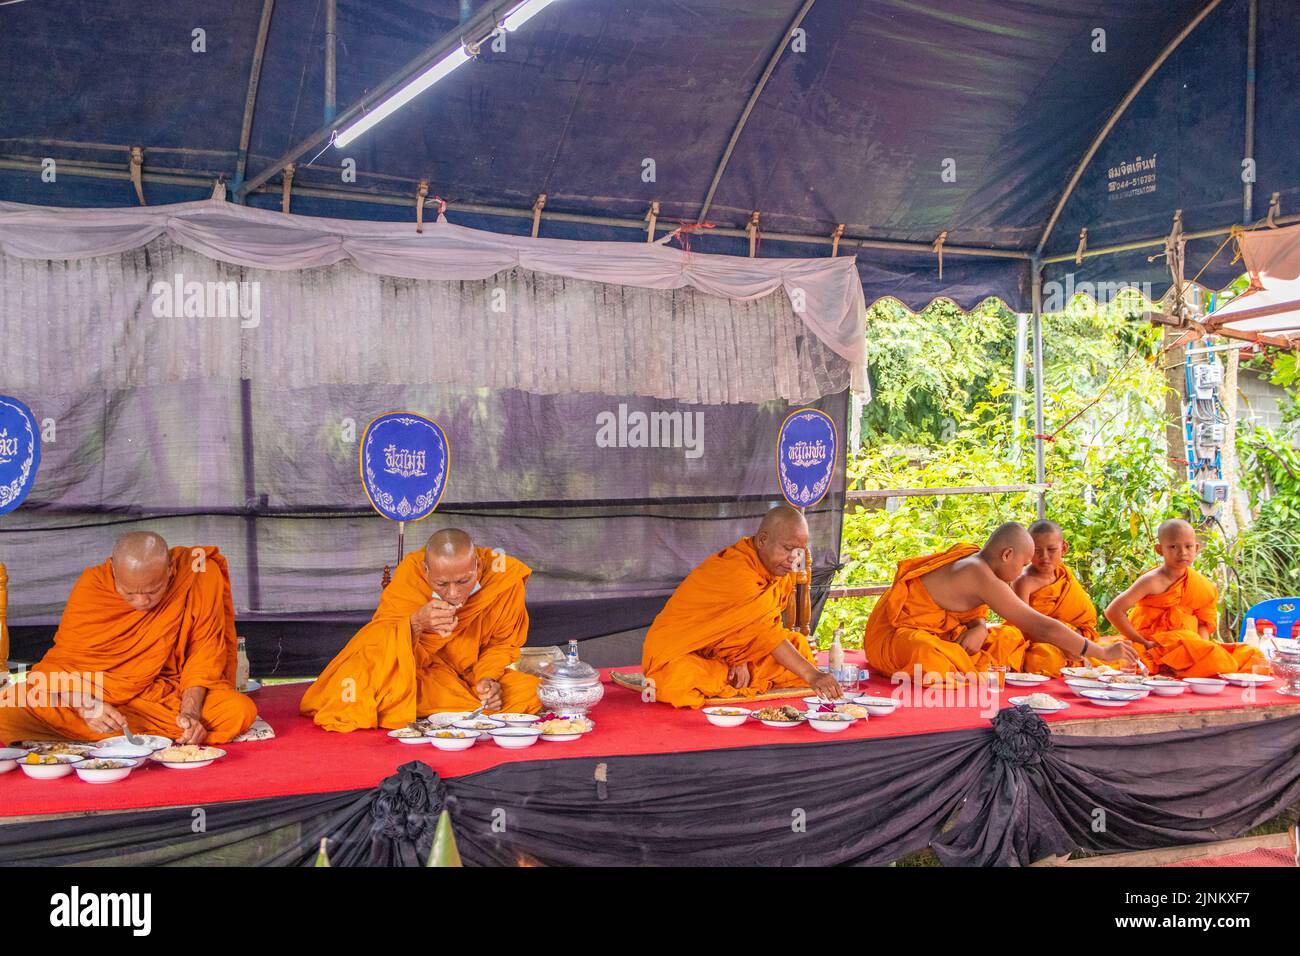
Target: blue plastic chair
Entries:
(1282, 613)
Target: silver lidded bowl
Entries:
(1286, 664)
(569, 687)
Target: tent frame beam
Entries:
(1115, 115)
(750, 104)
(250, 98)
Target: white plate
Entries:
(877, 706)
(404, 735)
(453, 744)
(1110, 697)
(515, 738)
(188, 764)
(105, 775)
(516, 720)
(253, 687)
(778, 724)
(1246, 680)
(1060, 706)
(446, 718)
(1026, 680)
(818, 701)
(831, 726)
(51, 771)
(1077, 684)
(1087, 672)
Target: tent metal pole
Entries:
(189, 178)
(1040, 464)
(1018, 399)
(331, 34)
(1158, 242)
(1119, 110)
(250, 98)
(1252, 35)
(749, 107)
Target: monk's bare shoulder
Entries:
(1155, 581)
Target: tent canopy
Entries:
(901, 120)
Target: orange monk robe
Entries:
(386, 678)
(147, 659)
(726, 612)
(908, 629)
(1172, 619)
(1066, 601)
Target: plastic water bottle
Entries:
(1251, 637)
(836, 656)
(241, 667)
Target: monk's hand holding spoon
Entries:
(436, 617)
(192, 729)
(826, 687)
(738, 675)
(489, 693)
(103, 718)
(1121, 651)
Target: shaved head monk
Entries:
(933, 618)
(1048, 586)
(146, 642)
(721, 633)
(1171, 611)
(447, 629)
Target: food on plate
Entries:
(1042, 701)
(783, 713)
(853, 710)
(480, 725)
(70, 748)
(34, 759)
(188, 753)
(728, 711)
(452, 734)
(1124, 679)
(831, 715)
(565, 725)
(106, 765)
(407, 732)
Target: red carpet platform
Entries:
(305, 760)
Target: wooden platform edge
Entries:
(1179, 854)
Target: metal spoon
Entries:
(133, 739)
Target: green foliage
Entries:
(1111, 483)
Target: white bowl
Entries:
(1077, 684)
(1087, 672)
(780, 724)
(106, 775)
(877, 706)
(554, 738)
(9, 757)
(515, 738)
(1167, 688)
(447, 717)
(516, 720)
(138, 754)
(1141, 689)
(188, 764)
(721, 716)
(1205, 685)
(51, 771)
(152, 741)
(814, 702)
(469, 739)
(405, 735)
(1026, 680)
(834, 725)
(483, 724)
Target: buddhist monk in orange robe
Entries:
(931, 625)
(1050, 588)
(1171, 611)
(721, 632)
(146, 642)
(448, 627)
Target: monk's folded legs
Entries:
(689, 680)
(439, 688)
(226, 714)
(940, 660)
(1190, 655)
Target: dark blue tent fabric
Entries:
(855, 126)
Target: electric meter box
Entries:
(1207, 378)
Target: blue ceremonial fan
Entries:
(806, 447)
(20, 452)
(404, 465)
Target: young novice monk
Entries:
(1047, 586)
(1172, 610)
